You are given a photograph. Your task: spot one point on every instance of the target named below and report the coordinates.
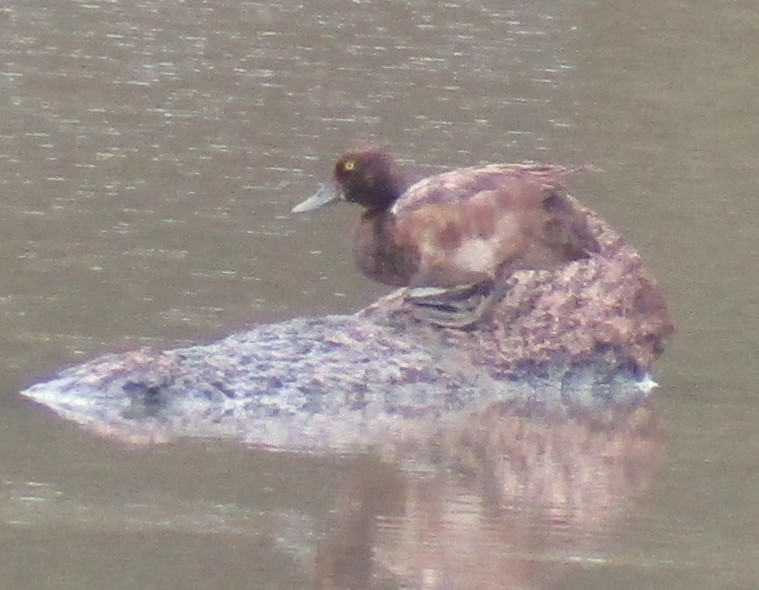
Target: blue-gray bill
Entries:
(323, 197)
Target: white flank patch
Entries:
(475, 255)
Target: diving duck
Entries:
(454, 238)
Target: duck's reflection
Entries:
(495, 498)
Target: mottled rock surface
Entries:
(576, 337)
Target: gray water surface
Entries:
(150, 153)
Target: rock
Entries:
(578, 337)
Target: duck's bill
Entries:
(324, 196)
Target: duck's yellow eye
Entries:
(349, 165)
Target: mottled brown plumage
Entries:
(468, 227)
(460, 227)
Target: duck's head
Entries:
(366, 176)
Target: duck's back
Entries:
(471, 225)
(474, 223)
(459, 185)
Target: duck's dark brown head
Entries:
(368, 176)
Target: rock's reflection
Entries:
(493, 500)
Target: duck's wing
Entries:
(464, 183)
(491, 221)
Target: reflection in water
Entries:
(504, 498)
(509, 494)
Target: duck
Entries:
(452, 239)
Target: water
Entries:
(150, 153)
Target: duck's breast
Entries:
(382, 253)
